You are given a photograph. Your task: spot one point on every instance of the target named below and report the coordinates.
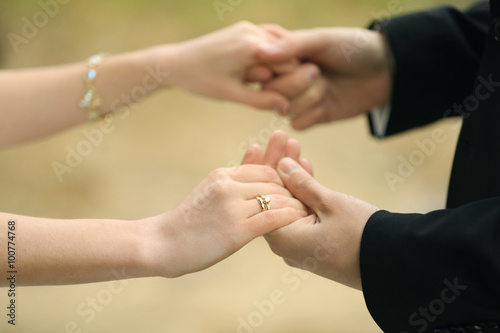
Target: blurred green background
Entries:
(173, 140)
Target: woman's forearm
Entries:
(54, 252)
(37, 102)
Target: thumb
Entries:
(301, 184)
(260, 99)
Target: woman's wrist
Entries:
(133, 256)
(127, 78)
(154, 258)
(168, 61)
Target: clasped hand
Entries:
(306, 76)
(311, 76)
(221, 215)
(335, 221)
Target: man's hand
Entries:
(328, 241)
(355, 67)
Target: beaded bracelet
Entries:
(91, 100)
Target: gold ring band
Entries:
(264, 202)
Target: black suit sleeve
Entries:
(442, 269)
(436, 57)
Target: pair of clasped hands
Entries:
(305, 220)
(305, 76)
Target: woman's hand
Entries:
(218, 218)
(216, 65)
(279, 146)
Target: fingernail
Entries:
(270, 48)
(288, 166)
(312, 73)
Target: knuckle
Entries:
(280, 201)
(220, 182)
(245, 26)
(282, 192)
(271, 174)
(219, 175)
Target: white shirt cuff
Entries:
(380, 118)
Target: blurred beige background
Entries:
(168, 144)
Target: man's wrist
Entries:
(384, 53)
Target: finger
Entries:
(253, 155)
(309, 118)
(285, 67)
(271, 220)
(293, 150)
(275, 29)
(277, 201)
(294, 84)
(264, 73)
(265, 100)
(276, 148)
(250, 191)
(307, 166)
(298, 44)
(292, 238)
(251, 173)
(281, 67)
(301, 184)
(308, 100)
(259, 73)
